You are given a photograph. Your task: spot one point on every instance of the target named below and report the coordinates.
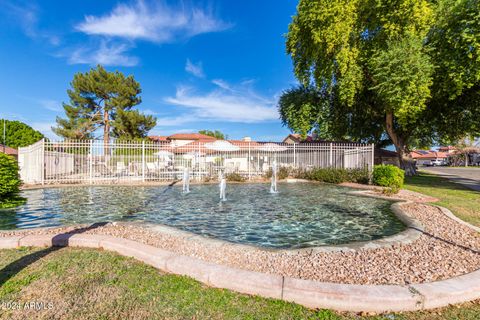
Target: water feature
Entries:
(273, 185)
(304, 214)
(186, 180)
(223, 187)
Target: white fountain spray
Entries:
(186, 180)
(273, 186)
(223, 186)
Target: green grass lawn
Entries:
(463, 202)
(94, 284)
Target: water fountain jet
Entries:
(223, 186)
(273, 185)
(186, 180)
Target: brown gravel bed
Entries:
(401, 195)
(447, 249)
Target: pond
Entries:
(300, 215)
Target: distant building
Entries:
(447, 149)
(182, 139)
(296, 138)
(383, 156)
(10, 151)
(429, 157)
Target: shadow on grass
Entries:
(461, 246)
(427, 180)
(58, 242)
(431, 181)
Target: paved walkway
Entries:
(468, 177)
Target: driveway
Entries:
(469, 177)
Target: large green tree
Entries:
(102, 100)
(18, 134)
(402, 71)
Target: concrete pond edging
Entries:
(309, 293)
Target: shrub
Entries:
(9, 178)
(388, 176)
(236, 177)
(333, 175)
(9, 182)
(282, 173)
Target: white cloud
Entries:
(222, 84)
(159, 23)
(52, 105)
(26, 15)
(108, 54)
(195, 69)
(226, 104)
(175, 121)
(45, 128)
(149, 112)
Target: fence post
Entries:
(294, 156)
(357, 151)
(143, 161)
(373, 157)
(198, 164)
(248, 162)
(330, 162)
(90, 165)
(42, 162)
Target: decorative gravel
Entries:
(446, 249)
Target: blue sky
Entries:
(202, 65)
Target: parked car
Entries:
(433, 163)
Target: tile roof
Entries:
(190, 136)
(424, 154)
(298, 138)
(8, 150)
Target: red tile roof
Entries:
(8, 150)
(298, 137)
(190, 136)
(421, 154)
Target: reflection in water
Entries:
(302, 215)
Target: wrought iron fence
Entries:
(93, 161)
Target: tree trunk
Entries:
(106, 132)
(406, 163)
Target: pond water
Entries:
(300, 215)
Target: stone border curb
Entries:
(449, 214)
(312, 294)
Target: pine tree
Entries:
(103, 100)
(132, 124)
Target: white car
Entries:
(433, 163)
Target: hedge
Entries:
(9, 182)
(334, 175)
(388, 176)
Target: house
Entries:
(297, 138)
(448, 149)
(10, 151)
(186, 142)
(429, 157)
(383, 156)
(181, 139)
